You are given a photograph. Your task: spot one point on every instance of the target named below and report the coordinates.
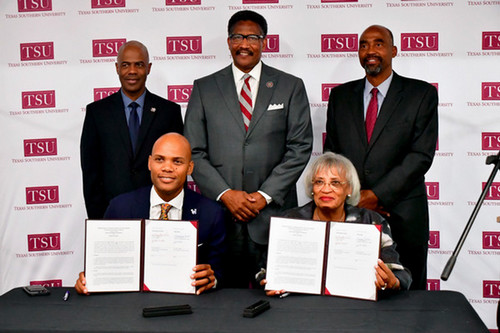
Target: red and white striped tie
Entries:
(246, 101)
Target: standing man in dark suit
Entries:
(170, 163)
(393, 149)
(119, 132)
(250, 130)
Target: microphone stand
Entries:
(492, 159)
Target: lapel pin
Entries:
(269, 84)
(153, 109)
(194, 211)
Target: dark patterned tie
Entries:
(246, 101)
(133, 124)
(371, 114)
(165, 208)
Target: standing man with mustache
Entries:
(249, 126)
(390, 136)
(119, 132)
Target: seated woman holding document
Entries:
(332, 182)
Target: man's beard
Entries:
(372, 71)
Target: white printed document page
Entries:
(295, 255)
(112, 255)
(353, 251)
(170, 255)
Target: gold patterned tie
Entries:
(164, 211)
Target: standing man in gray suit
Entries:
(249, 126)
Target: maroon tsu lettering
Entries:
(37, 51)
(424, 41)
(40, 147)
(44, 242)
(273, 44)
(184, 45)
(179, 93)
(339, 43)
(42, 195)
(34, 5)
(38, 99)
(107, 3)
(107, 47)
(491, 40)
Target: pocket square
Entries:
(272, 107)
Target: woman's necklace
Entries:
(316, 216)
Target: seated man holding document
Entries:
(170, 163)
(333, 184)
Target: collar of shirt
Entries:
(127, 101)
(175, 213)
(254, 80)
(382, 92)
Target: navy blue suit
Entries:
(208, 213)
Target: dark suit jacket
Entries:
(269, 157)
(109, 166)
(400, 152)
(209, 214)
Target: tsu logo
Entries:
(106, 47)
(44, 242)
(37, 51)
(193, 187)
(339, 43)
(491, 40)
(250, 2)
(326, 88)
(42, 195)
(433, 284)
(491, 240)
(47, 283)
(184, 45)
(432, 190)
(273, 44)
(34, 5)
(107, 3)
(179, 93)
(38, 99)
(182, 2)
(433, 239)
(490, 140)
(100, 93)
(491, 289)
(423, 41)
(490, 91)
(40, 147)
(493, 191)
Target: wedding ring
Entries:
(385, 286)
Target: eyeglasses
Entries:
(251, 39)
(334, 184)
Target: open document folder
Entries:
(323, 258)
(140, 255)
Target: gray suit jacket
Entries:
(269, 157)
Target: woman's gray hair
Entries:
(343, 166)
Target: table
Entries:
(221, 311)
